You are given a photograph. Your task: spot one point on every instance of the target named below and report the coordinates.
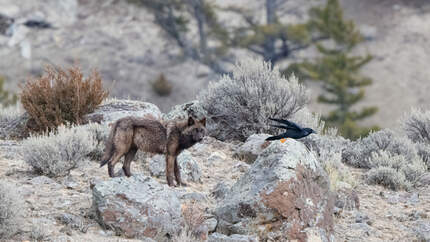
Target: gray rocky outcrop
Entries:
(284, 195)
(182, 111)
(115, 109)
(138, 207)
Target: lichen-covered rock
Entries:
(190, 170)
(253, 146)
(115, 109)
(285, 193)
(138, 207)
(183, 111)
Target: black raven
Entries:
(293, 130)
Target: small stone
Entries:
(211, 223)
(70, 183)
(220, 190)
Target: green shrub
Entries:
(61, 96)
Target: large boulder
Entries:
(183, 111)
(138, 207)
(285, 195)
(115, 109)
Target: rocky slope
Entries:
(265, 190)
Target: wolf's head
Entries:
(196, 129)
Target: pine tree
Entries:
(338, 70)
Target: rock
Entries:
(70, 183)
(253, 146)
(361, 217)
(216, 157)
(220, 190)
(285, 184)
(217, 237)
(73, 221)
(194, 196)
(211, 224)
(42, 180)
(190, 170)
(241, 166)
(138, 207)
(115, 109)
(183, 111)
(157, 165)
(422, 230)
(362, 227)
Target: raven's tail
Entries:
(276, 137)
(109, 146)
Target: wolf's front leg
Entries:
(178, 174)
(170, 163)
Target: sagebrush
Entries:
(11, 210)
(9, 113)
(100, 133)
(240, 105)
(417, 126)
(394, 171)
(358, 153)
(61, 96)
(57, 152)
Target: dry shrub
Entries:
(61, 96)
(394, 171)
(11, 210)
(162, 86)
(195, 229)
(57, 152)
(417, 126)
(240, 105)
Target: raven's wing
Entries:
(276, 137)
(290, 124)
(279, 126)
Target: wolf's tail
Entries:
(109, 146)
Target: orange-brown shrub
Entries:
(61, 96)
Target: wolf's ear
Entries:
(190, 121)
(203, 121)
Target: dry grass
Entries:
(61, 96)
(11, 210)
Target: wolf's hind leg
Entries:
(178, 174)
(127, 161)
(112, 163)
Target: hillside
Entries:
(123, 43)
